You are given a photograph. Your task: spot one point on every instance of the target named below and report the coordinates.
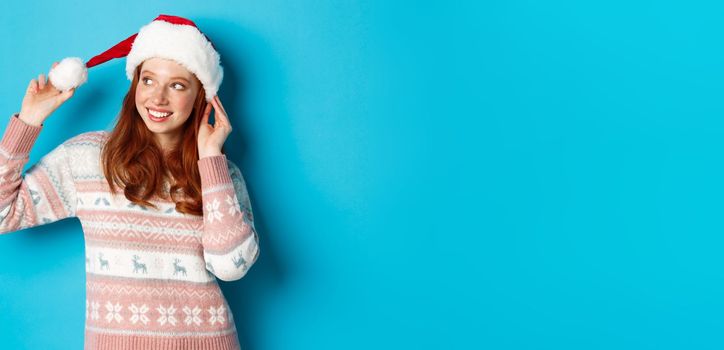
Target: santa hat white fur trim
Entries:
(182, 43)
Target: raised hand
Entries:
(211, 138)
(41, 99)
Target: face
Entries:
(165, 97)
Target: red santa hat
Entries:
(170, 37)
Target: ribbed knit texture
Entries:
(151, 274)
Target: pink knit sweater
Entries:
(150, 273)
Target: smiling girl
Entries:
(163, 211)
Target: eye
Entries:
(176, 86)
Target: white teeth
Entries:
(158, 114)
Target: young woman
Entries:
(164, 213)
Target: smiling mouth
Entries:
(158, 115)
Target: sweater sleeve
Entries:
(45, 193)
(229, 239)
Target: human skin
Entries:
(166, 86)
(41, 99)
(159, 91)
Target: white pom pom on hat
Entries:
(69, 73)
(171, 37)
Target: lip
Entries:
(158, 110)
(158, 120)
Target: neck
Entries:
(167, 143)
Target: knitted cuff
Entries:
(214, 170)
(19, 136)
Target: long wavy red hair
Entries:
(133, 160)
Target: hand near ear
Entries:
(211, 138)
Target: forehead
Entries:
(166, 67)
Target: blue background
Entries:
(477, 175)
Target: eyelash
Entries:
(143, 80)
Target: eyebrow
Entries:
(149, 72)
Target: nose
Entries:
(159, 95)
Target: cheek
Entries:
(140, 95)
(139, 102)
(185, 103)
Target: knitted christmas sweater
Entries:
(150, 273)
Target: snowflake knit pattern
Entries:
(150, 273)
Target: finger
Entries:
(33, 88)
(205, 116)
(216, 110)
(217, 107)
(41, 81)
(218, 100)
(68, 94)
(219, 120)
(207, 111)
(205, 126)
(54, 64)
(226, 115)
(221, 115)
